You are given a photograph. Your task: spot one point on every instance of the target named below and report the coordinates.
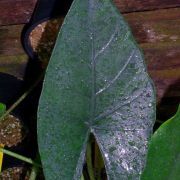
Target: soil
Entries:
(16, 173)
(12, 131)
(43, 38)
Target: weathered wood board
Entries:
(16, 11)
(144, 5)
(20, 11)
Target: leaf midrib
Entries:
(93, 64)
(94, 56)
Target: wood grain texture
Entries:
(10, 40)
(145, 27)
(163, 62)
(20, 11)
(144, 5)
(155, 26)
(14, 65)
(16, 11)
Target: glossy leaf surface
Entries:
(96, 82)
(164, 152)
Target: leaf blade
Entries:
(164, 152)
(61, 112)
(96, 71)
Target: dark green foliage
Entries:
(96, 82)
(164, 152)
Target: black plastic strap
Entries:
(44, 10)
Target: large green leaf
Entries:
(164, 152)
(96, 82)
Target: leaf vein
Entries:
(108, 113)
(117, 76)
(108, 43)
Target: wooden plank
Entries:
(145, 26)
(14, 65)
(164, 68)
(10, 40)
(141, 23)
(20, 11)
(16, 11)
(144, 5)
(155, 26)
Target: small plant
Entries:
(96, 85)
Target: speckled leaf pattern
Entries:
(163, 161)
(96, 82)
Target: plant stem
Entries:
(35, 169)
(89, 162)
(82, 177)
(34, 173)
(20, 157)
(22, 98)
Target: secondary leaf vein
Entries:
(117, 76)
